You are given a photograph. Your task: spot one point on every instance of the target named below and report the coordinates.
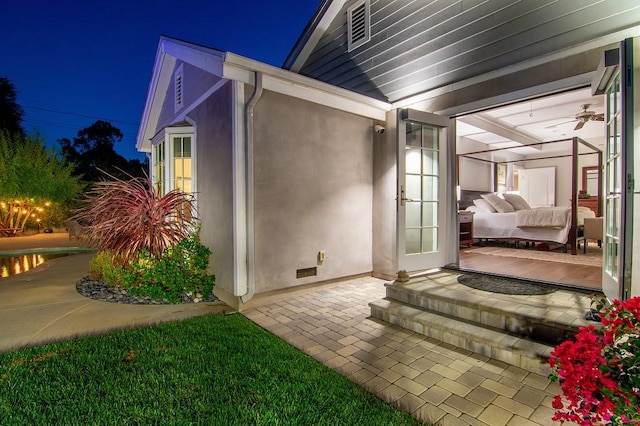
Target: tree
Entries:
(34, 181)
(93, 150)
(10, 112)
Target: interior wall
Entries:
(474, 175)
(313, 185)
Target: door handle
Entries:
(404, 199)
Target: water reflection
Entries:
(14, 265)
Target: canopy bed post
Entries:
(573, 231)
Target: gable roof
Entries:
(229, 66)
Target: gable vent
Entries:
(178, 85)
(358, 24)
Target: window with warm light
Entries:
(173, 161)
(182, 163)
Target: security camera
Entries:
(379, 128)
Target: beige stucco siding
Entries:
(313, 191)
(213, 135)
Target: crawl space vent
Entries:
(307, 272)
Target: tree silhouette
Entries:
(10, 112)
(93, 150)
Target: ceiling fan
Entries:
(582, 117)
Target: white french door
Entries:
(421, 185)
(618, 172)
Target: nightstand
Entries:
(465, 227)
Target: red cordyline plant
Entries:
(127, 217)
(599, 372)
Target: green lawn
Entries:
(211, 370)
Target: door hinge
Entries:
(630, 183)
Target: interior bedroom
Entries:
(529, 189)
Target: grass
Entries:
(210, 370)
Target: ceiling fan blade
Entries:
(597, 117)
(579, 125)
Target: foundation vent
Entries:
(306, 272)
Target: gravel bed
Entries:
(99, 290)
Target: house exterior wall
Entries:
(195, 82)
(312, 191)
(213, 135)
(417, 46)
(385, 175)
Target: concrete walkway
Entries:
(437, 383)
(42, 305)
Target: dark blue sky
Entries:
(73, 62)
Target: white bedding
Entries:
(503, 225)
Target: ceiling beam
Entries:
(491, 125)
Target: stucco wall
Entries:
(195, 82)
(385, 178)
(214, 182)
(313, 191)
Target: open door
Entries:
(615, 79)
(422, 239)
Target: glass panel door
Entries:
(420, 212)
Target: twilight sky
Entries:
(75, 61)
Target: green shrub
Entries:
(179, 270)
(102, 268)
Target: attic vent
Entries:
(358, 24)
(178, 85)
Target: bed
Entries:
(509, 226)
(568, 234)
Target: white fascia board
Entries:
(162, 72)
(332, 11)
(289, 83)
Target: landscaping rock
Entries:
(100, 290)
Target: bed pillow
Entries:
(498, 203)
(472, 209)
(483, 206)
(517, 202)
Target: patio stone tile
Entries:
(446, 371)
(470, 379)
(499, 388)
(520, 421)
(428, 378)
(495, 416)
(336, 361)
(464, 405)
(513, 406)
(381, 351)
(405, 370)
(410, 403)
(365, 356)
(325, 356)
(452, 420)
(429, 414)
(481, 396)
(451, 410)
(515, 384)
(401, 357)
(460, 366)
(391, 393)
(422, 364)
(515, 373)
(530, 397)
(347, 350)
(384, 363)
(454, 386)
(481, 371)
(410, 386)
(537, 381)
(348, 369)
(435, 395)
(542, 415)
(389, 375)
(361, 376)
(319, 330)
(375, 384)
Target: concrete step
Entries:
(526, 317)
(482, 339)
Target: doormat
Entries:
(502, 285)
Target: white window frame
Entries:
(178, 88)
(166, 137)
(351, 44)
